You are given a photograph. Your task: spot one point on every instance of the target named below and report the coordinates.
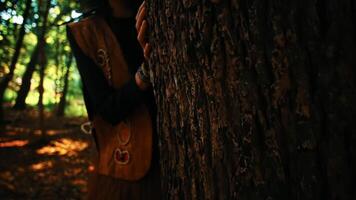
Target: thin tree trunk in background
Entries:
(42, 68)
(25, 87)
(42, 64)
(58, 78)
(62, 102)
(255, 98)
(4, 82)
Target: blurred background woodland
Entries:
(35, 54)
(43, 153)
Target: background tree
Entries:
(59, 68)
(31, 67)
(26, 79)
(4, 82)
(21, 91)
(42, 66)
(255, 98)
(63, 97)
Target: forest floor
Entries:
(53, 165)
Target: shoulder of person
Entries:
(85, 21)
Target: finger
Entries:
(140, 8)
(142, 34)
(139, 11)
(141, 17)
(147, 51)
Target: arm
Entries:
(110, 103)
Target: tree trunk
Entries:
(62, 101)
(27, 76)
(25, 87)
(4, 82)
(58, 76)
(42, 63)
(42, 58)
(255, 98)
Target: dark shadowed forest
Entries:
(44, 154)
(255, 99)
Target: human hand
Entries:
(141, 27)
(140, 83)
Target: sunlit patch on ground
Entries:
(54, 165)
(57, 132)
(42, 166)
(14, 143)
(52, 132)
(63, 146)
(79, 182)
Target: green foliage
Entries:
(57, 53)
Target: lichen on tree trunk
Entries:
(255, 98)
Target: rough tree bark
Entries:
(4, 82)
(255, 98)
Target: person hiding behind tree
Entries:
(119, 101)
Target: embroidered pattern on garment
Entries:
(124, 135)
(121, 157)
(103, 61)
